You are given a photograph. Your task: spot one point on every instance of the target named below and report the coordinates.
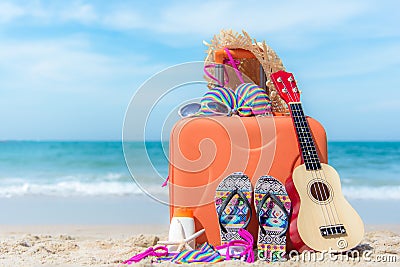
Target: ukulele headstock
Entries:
(286, 86)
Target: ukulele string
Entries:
(318, 187)
(310, 144)
(319, 179)
(334, 205)
(324, 209)
(319, 174)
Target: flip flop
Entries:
(232, 201)
(273, 208)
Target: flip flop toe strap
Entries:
(225, 204)
(279, 204)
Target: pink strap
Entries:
(249, 249)
(247, 242)
(148, 252)
(233, 63)
(165, 182)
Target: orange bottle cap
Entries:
(183, 212)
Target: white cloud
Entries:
(200, 17)
(83, 13)
(9, 12)
(256, 17)
(65, 64)
(125, 19)
(63, 88)
(295, 25)
(353, 61)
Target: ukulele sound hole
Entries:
(320, 191)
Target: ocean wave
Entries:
(93, 177)
(74, 188)
(48, 178)
(377, 192)
(112, 187)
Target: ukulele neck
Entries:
(306, 143)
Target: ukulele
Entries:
(322, 219)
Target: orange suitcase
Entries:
(204, 150)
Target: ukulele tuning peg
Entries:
(290, 79)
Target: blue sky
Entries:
(68, 69)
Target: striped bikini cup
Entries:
(252, 100)
(218, 94)
(248, 99)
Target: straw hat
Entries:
(249, 67)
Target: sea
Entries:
(368, 170)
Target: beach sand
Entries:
(90, 245)
(98, 231)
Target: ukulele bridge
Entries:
(332, 230)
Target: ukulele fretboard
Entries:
(307, 146)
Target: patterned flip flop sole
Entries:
(233, 211)
(272, 240)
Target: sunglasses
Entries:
(207, 109)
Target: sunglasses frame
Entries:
(197, 113)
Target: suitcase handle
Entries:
(220, 54)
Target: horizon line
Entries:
(158, 140)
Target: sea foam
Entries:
(76, 188)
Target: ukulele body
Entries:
(322, 219)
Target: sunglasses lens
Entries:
(218, 107)
(189, 109)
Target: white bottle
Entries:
(181, 227)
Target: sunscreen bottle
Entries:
(181, 227)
